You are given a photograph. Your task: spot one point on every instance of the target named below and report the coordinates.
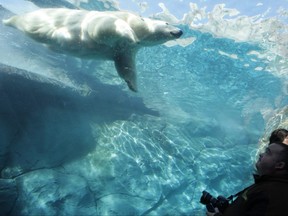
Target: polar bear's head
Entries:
(150, 32)
(159, 32)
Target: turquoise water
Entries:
(75, 140)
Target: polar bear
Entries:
(110, 35)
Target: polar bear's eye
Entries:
(166, 23)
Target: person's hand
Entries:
(212, 213)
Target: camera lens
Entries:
(211, 202)
(205, 198)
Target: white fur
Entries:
(112, 35)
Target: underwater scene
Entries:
(181, 103)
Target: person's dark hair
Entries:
(278, 135)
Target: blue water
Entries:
(75, 140)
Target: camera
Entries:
(211, 202)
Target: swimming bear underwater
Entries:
(110, 35)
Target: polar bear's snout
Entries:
(177, 33)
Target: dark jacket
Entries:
(268, 196)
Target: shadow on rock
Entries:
(46, 122)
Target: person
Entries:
(268, 195)
(279, 135)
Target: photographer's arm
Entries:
(254, 205)
(257, 204)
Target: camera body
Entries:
(211, 202)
